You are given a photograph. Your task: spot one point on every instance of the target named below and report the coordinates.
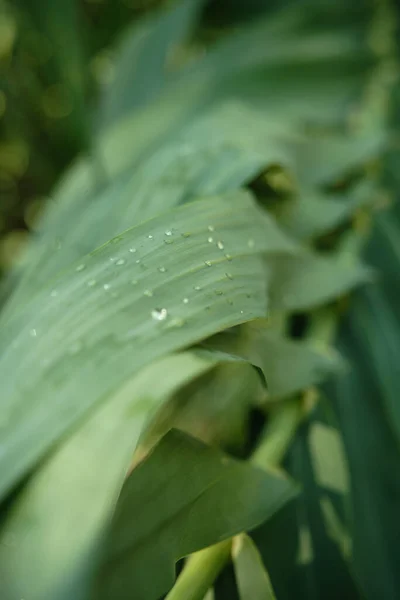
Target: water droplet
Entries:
(162, 269)
(80, 267)
(137, 261)
(150, 237)
(242, 312)
(229, 275)
(250, 243)
(197, 288)
(185, 301)
(218, 292)
(208, 263)
(91, 283)
(228, 257)
(211, 228)
(106, 286)
(168, 233)
(168, 241)
(148, 293)
(120, 262)
(210, 240)
(132, 250)
(53, 293)
(134, 282)
(33, 333)
(159, 314)
(220, 245)
(75, 348)
(186, 234)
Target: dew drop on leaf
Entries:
(220, 245)
(186, 301)
(228, 257)
(33, 333)
(210, 240)
(208, 263)
(132, 250)
(168, 233)
(162, 269)
(211, 228)
(80, 267)
(218, 292)
(53, 293)
(134, 282)
(229, 275)
(159, 314)
(120, 262)
(148, 293)
(150, 237)
(106, 286)
(197, 288)
(91, 283)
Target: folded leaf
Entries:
(184, 497)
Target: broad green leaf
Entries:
(324, 159)
(160, 518)
(308, 280)
(70, 487)
(251, 575)
(313, 213)
(278, 357)
(141, 61)
(217, 153)
(132, 148)
(124, 306)
(373, 455)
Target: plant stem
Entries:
(203, 567)
(200, 572)
(278, 434)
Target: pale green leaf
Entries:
(125, 305)
(71, 488)
(251, 575)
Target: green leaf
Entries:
(124, 306)
(160, 518)
(251, 575)
(303, 557)
(277, 356)
(373, 455)
(308, 280)
(216, 153)
(70, 487)
(141, 62)
(313, 213)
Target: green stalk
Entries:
(200, 572)
(278, 434)
(203, 567)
